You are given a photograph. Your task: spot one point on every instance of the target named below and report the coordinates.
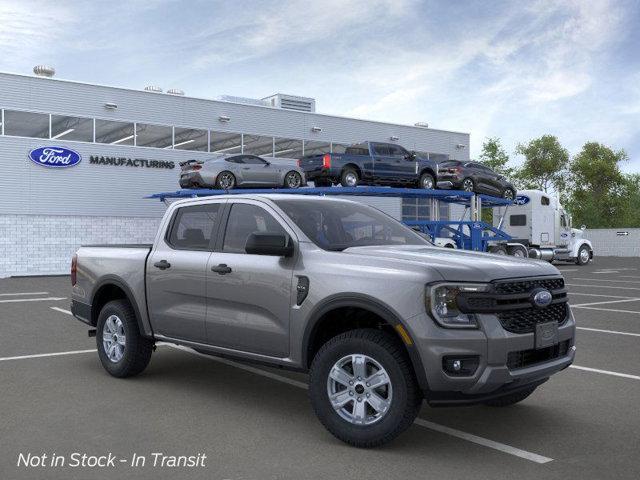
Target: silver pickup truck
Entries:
(380, 318)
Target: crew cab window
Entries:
(360, 149)
(381, 149)
(517, 220)
(192, 227)
(245, 219)
(397, 151)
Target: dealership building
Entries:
(129, 144)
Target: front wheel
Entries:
(468, 185)
(584, 255)
(123, 351)
(292, 180)
(363, 389)
(427, 181)
(508, 194)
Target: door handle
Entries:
(221, 269)
(246, 168)
(162, 265)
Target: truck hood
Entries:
(458, 265)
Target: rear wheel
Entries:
(468, 185)
(427, 181)
(584, 255)
(511, 399)
(519, 251)
(498, 250)
(225, 180)
(508, 194)
(349, 178)
(123, 351)
(292, 179)
(363, 389)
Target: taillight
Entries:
(299, 162)
(74, 269)
(326, 160)
(196, 167)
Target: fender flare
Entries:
(145, 330)
(578, 245)
(371, 304)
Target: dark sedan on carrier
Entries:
(474, 177)
(230, 171)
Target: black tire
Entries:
(498, 250)
(511, 399)
(509, 194)
(579, 260)
(221, 180)
(298, 179)
(468, 185)
(346, 177)
(322, 182)
(519, 251)
(137, 349)
(389, 353)
(427, 179)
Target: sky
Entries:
(509, 69)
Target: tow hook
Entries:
(91, 332)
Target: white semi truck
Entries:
(540, 223)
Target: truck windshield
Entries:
(337, 225)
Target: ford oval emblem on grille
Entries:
(56, 157)
(542, 298)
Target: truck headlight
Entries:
(442, 303)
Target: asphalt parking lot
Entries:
(257, 423)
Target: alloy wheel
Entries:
(113, 338)
(226, 181)
(359, 389)
(427, 182)
(508, 194)
(351, 179)
(293, 180)
(467, 185)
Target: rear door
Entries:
(382, 162)
(177, 272)
(248, 306)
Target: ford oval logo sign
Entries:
(521, 200)
(56, 157)
(542, 298)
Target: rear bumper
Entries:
(192, 180)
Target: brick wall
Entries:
(44, 244)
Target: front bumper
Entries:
(491, 344)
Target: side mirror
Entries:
(583, 227)
(410, 156)
(268, 243)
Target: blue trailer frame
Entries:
(471, 234)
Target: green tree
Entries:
(631, 199)
(599, 192)
(495, 157)
(545, 165)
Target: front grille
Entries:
(526, 358)
(524, 320)
(524, 286)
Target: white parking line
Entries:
(608, 331)
(597, 295)
(41, 355)
(606, 280)
(22, 293)
(16, 300)
(606, 302)
(606, 372)
(602, 286)
(606, 309)
(61, 310)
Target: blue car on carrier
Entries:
(371, 163)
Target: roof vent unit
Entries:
(153, 88)
(422, 124)
(292, 102)
(175, 91)
(244, 100)
(44, 71)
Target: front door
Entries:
(177, 273)
(249, 296)
(258, 171)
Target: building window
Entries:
(420, 209)
(258, 145)
(190, 139)
(287, 148)
(26, 124)
(114, 133)
(225, 142)
(316, 148)
(157, 136)
(71, 128)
